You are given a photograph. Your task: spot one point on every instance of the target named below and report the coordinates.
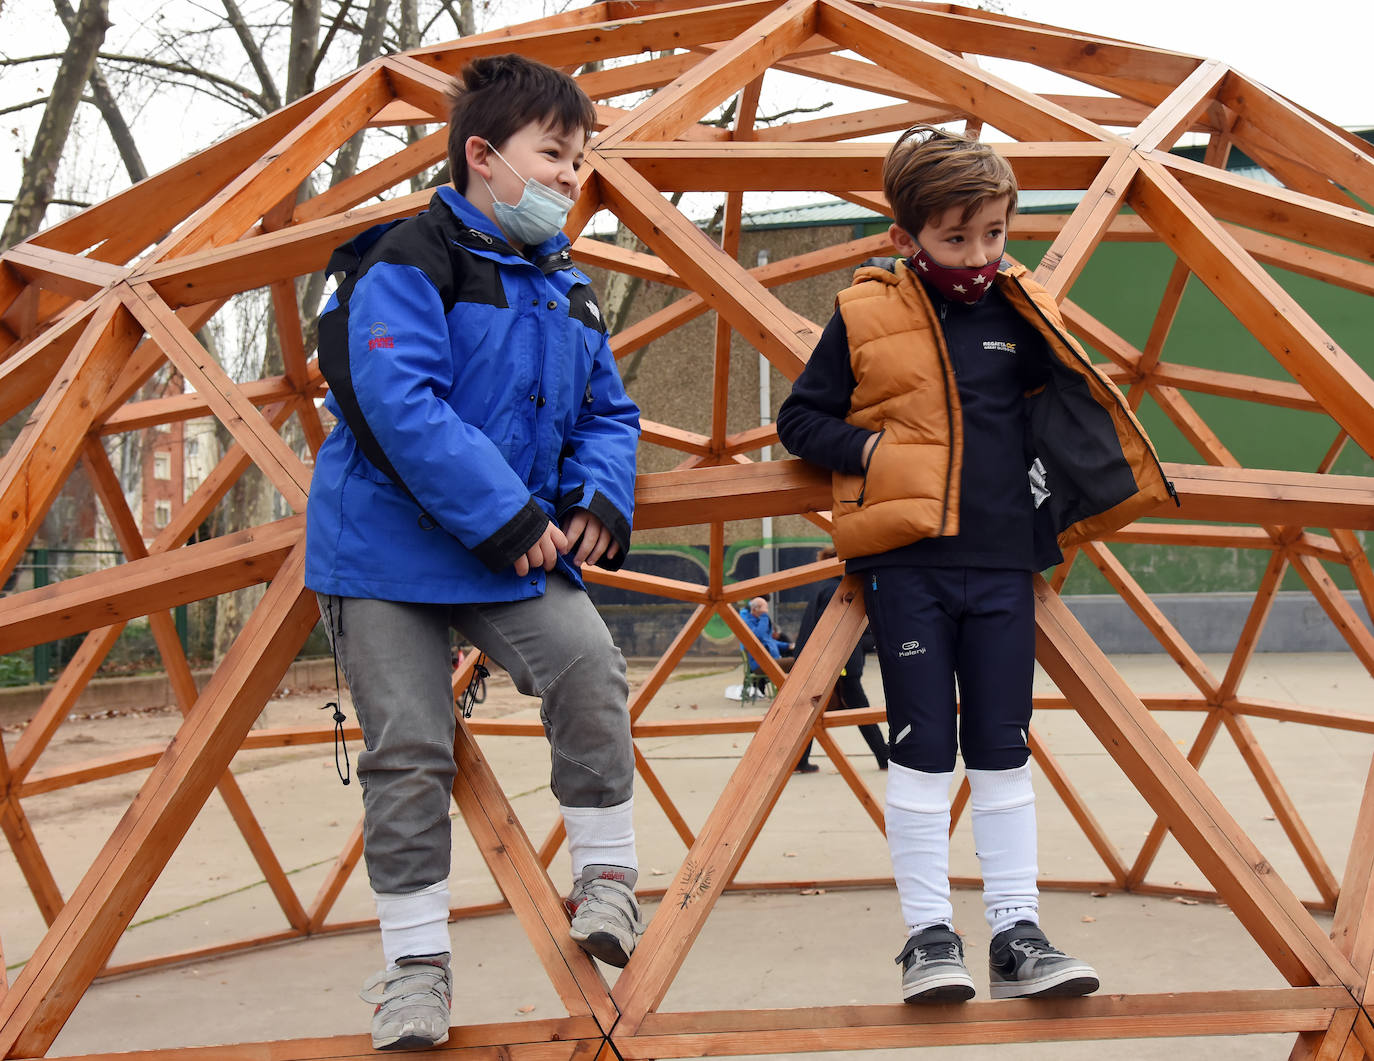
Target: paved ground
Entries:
(794, 948)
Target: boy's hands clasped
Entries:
(582, 530)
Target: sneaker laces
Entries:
(1032, 947)
(941, 947)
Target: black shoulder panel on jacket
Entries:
(583, 307)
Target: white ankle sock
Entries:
(603, 836)
(918, 839)
(414, 923)
(1002, 803)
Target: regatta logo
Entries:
(998, 344)
(380, 340)
(912, 648)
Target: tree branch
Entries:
(108, 106)
(270, 95)
(40, 169)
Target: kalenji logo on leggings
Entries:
(912, 648)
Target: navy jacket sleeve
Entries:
(597, 472)
(811, 421)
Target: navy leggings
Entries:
(936, 624)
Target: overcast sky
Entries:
(1320, 60)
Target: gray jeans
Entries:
(395, 657)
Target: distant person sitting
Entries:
(849, 690)
(755, 616)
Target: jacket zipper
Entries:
(1118, 398)
(950, 380)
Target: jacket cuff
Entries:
(513, 540)
(611, 518)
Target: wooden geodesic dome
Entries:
(91, 308)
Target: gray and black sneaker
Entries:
(1023, 963)
(413, 1002)
(605, 913)
(933, 967)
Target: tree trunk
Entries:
(40, 169)
(109, 107)
(305, 36)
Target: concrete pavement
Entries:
(794, 948)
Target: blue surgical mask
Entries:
(540, 213)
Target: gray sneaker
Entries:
(413, 1003)
(1022, 963)
(605, 913)
(933, 967)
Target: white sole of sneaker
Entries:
(937, 989)
(1067, 983)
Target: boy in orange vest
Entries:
(970, 438)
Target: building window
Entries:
(162, 513)
(192, 447)
(162, 465)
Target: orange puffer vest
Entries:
(1102, 470)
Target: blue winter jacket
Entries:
(477, 399)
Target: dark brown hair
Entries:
(498, 95)
(929, 170)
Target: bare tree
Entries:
(40, 168)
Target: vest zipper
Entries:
(942, 348)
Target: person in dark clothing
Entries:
(849, 690)
(970, 438)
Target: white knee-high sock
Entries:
(1002, 803)
(601, 836)
(918, 839)
(414, 923)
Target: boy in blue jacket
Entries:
(485, 451)
(970, 439)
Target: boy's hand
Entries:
(544, 552)
(591, 537)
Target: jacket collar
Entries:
(474, 230)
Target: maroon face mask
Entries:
(957, 285)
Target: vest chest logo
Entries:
(999, 344)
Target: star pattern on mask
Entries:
(961, 289)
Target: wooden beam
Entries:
(1022, 114)
(706, 1034)
(37, 464)
(738, 814)
(155, 583)
(693, 94)
(103, 904)
(267, 448)
(1263, 307)
(767, 165)
(726, 287)
(1218, 846)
